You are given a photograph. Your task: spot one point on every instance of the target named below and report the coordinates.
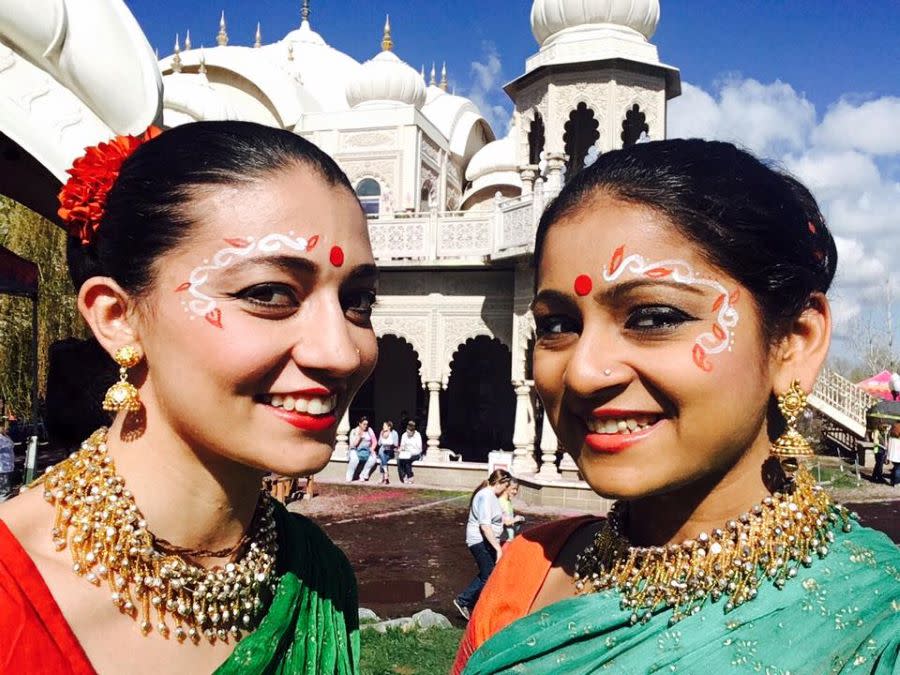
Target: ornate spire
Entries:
(222, 37)
(187, 41)
(291, 52)
(443, 84)
(176, 60)
(433, 80)
(304, 12)
(257, 41)
(422, 71)
(387, 43)
(202, 69)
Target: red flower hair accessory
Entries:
(83, 197)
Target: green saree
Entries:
(312, 625)
(842, 615)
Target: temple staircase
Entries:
(844, 406)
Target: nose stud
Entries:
(607, 372)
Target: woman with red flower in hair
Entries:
(226, 268)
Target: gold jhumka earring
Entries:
(791, 444)
(123, 395)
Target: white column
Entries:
(433, 425)
(341, 446)
(549, 446)
(555, 163)
(523, 432)
(527, 173)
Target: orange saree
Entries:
(34, 635)
(514, 583)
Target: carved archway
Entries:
(478, 407)
(536, 139)
(394, 388)
(634, 124)
(581, 132)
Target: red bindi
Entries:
(583, 285)
(336, 256)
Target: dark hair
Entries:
(145, 213)
(389, 424)
(497, 476)
(758, 224)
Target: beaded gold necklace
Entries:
(770, 542)
(98, 520)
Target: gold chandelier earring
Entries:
(123, 395)
(791, 444)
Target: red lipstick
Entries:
(304, 420)
(613, 443)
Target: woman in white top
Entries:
(483, 530)
(387, 444)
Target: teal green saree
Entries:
(312, 625)
(842, 615)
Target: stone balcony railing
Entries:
(458, 237)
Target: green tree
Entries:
(36, 239)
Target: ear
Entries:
(109, 311)
(801, 353)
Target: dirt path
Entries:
(407, 545)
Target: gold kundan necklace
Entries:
(97, 519)
(770, 542)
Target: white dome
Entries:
(321, 69)
(492, 158)
(192, 96)
(549, 17)
(386, 78)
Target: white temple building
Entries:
(452, 208)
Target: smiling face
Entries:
(256, 336)
(624, 306)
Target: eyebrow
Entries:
(296, 265)
(614, 292)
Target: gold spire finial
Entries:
(257, 42)
(176, 60)
(187, 41)
(222, 37)
(433, 80)
(304, 12)
(387, 43)
(443, 84)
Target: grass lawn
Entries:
(832, 476)
(429, 652)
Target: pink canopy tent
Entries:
(877, 385)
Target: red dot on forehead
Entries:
(336, 256)
(583, 285)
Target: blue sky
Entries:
(823, 48)
(810, 84)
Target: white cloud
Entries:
(849, 159)
(486, 90)
(768, 119)
(870, 127)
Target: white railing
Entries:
(843, 402)
(505, 231)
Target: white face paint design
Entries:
(722, 335)
(204, 306)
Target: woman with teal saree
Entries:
(681, 320)
(226, 268)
